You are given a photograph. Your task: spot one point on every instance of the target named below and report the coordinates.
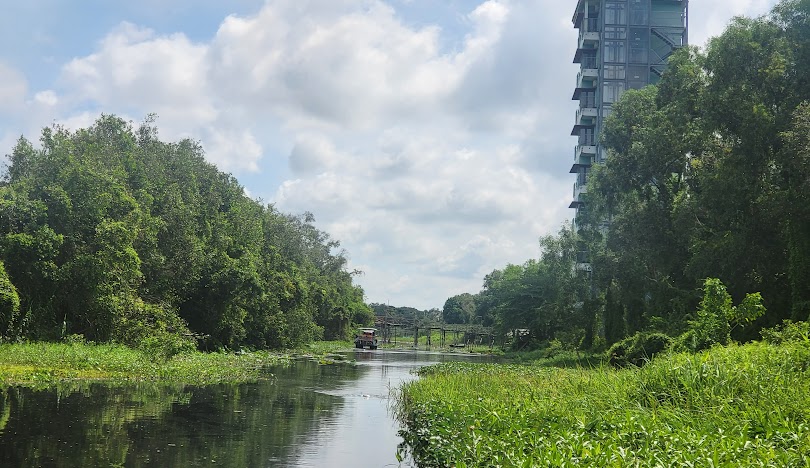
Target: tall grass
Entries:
(736, 406)
(47, 363)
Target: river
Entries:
(308, 415)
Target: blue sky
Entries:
(430, 137)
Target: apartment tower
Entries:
(622, 44)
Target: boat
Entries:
(366, 338)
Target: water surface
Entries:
(308, 415)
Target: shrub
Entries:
(788, 332)
(638, 349)
(154, 329)
(165, 345)
(9, 302)
(716, 317)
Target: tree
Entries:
(9, 304)
(111, 233)
(459, 309)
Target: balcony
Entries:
(586, 116)
(579, 13)
(584, 155)
(581, 185)
(589, 61)
(586, 126)
(589, 34)
(579, 189)
(586, 78)
(587, 112)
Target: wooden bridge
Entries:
(460, 335)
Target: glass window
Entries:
(615, 51)
(615, 32)
(639, 36)
(639, 45)
(614, 72)
(638, 55)
(615, 13)
(589, 61)
(639, 12)
(612, 91)
(636, 72)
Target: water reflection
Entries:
(309, 415)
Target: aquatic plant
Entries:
(47, 363)
(736, 406)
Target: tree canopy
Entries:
(113, 234)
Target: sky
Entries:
(430, 137)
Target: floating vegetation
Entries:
(41, 364)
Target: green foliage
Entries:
(736, 406)
(787, 332)
(614, 316)
(716, 317)
(9, 303)
(49, 363)
(540, 295)
(707, 176)
(110, 233)
(639, 349)
(459, 309)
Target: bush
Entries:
(788, 332)
(157, 330)
(165, 345)
(638, 349)
(717, 316)
(9, 302)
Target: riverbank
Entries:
(737, 406)
(43, 364)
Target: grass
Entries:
(43, 364)
(568, 359)
(737, 406)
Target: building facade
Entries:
(622, 44)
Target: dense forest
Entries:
(113, 235)
(706, 190)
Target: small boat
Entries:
(366, 337)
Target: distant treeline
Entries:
(406, 315)
(109, 233)
(707, 176)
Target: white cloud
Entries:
(233, 149)
(135, 67)
(339, 64)
(13, 89)
(47, 98)
(313, 154)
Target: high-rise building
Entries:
(622, 44)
